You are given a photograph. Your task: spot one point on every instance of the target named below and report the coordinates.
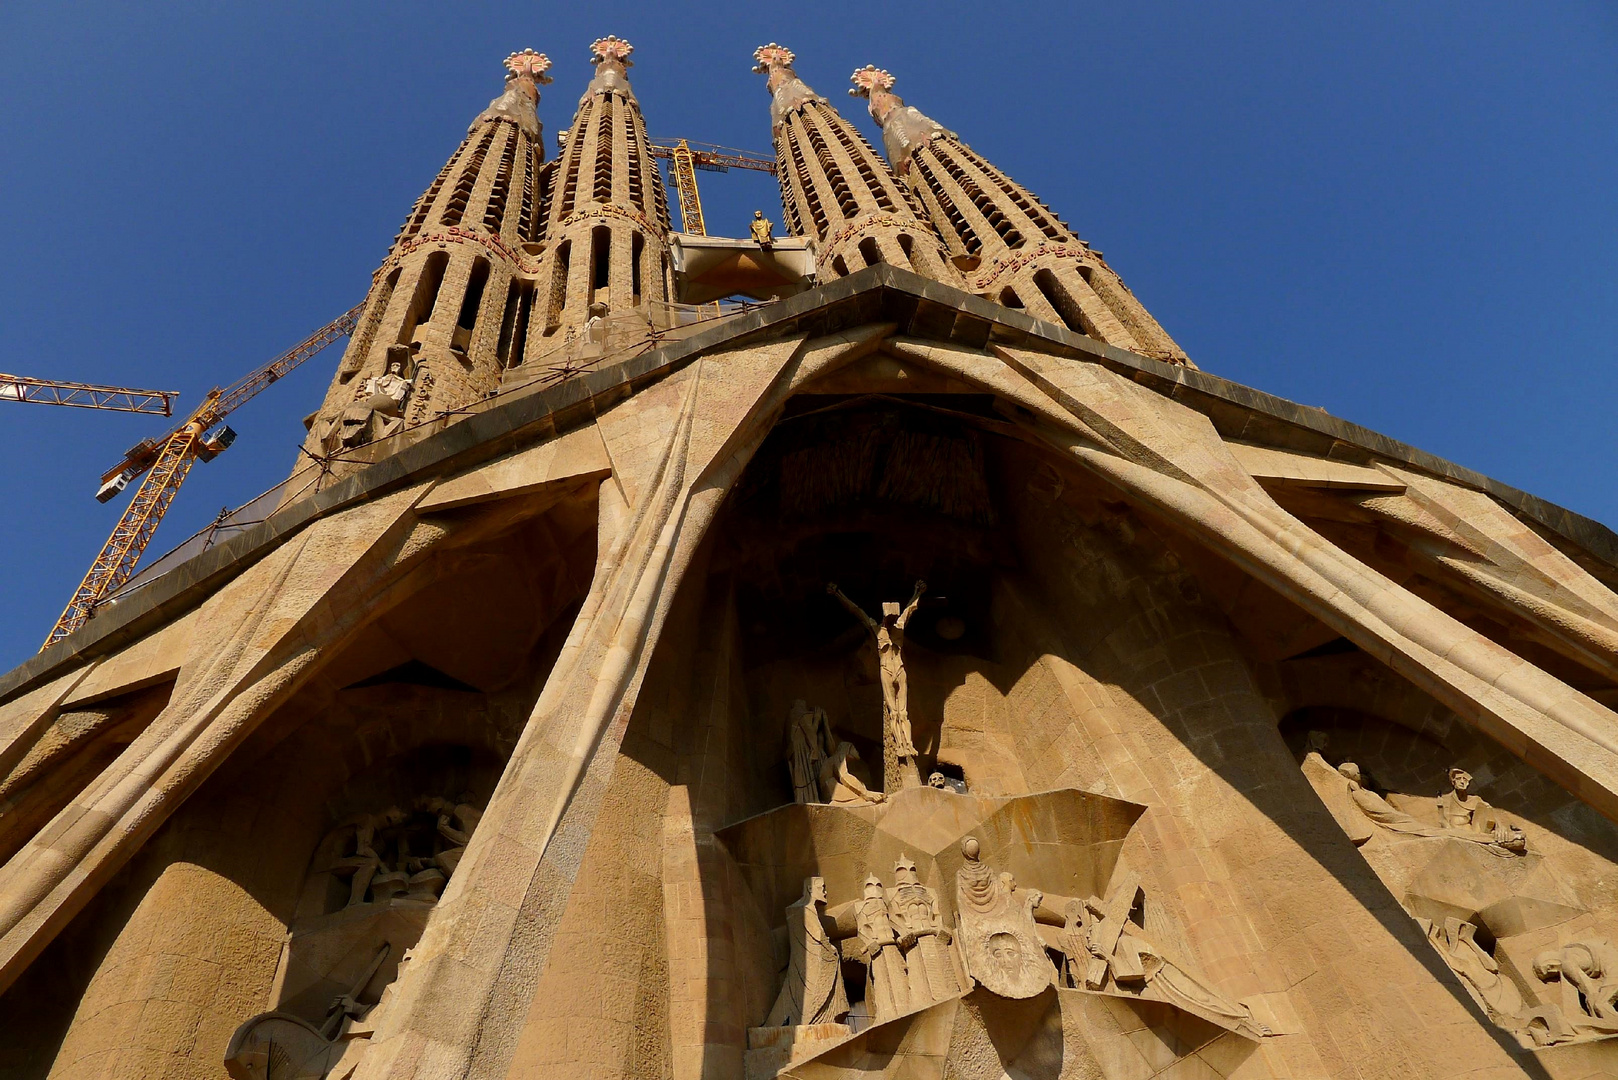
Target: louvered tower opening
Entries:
(456, 208)
(494, 214)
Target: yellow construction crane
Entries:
(685, 162)
(166, 462)
(86, 395)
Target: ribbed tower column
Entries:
(609, 218)
(836, 190)
(446, 303)
(1025, 256)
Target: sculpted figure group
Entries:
(822, 765)
(1580, 979)
(1455, 815)
(899, 935)
(913, 958)
(404, 855)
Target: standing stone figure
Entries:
(813, 991)
(886, 986)
(820, 761)
(933, 966)
(898, 751)
(999, 941)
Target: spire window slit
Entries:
(846, 203)
(418, 217)
(1067, 308)
(806, 183)
(525, 220)
(575, 163)
(545, 180)
(637, 190)
(602, 187)
(468, 179)
(969, 241)
(495, 212)
(864, 158)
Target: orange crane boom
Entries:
(685, 162)
(166, 462)
(86, 395)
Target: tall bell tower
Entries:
(1014, 250)
(608, 217)
(442, 310)
(836, 190)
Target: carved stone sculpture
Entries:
(1588, 973)
(813, 990)
(456, 823)
(1456, 942)
(999, 941)
(820, 763)
(932, 964)
(364, 863)
(1469, 814)
(762, 230)
(377, 410)
(887, 989)
(280, 1046)
(898, 751)
(1104, 950)
(1458, 816)
(404, 855)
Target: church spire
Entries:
(608, 215)
(836, 190)
(439, 301)
(1017, 252)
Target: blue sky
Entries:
(1403, 213)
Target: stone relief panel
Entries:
(895, 914)
(371, 884)
(1506, 900)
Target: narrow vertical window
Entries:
(558, 297)
(473, 299)
(1066, 307)
(637, 252)
(600, 261)
(426, 298)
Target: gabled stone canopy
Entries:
(1166, 553)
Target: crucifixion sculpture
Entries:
(898, 751)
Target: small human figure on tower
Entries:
(763, 230)
(898, 751)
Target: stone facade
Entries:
(1153, 726)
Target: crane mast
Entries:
(79, 395)
(685, 162)
(166, 462)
